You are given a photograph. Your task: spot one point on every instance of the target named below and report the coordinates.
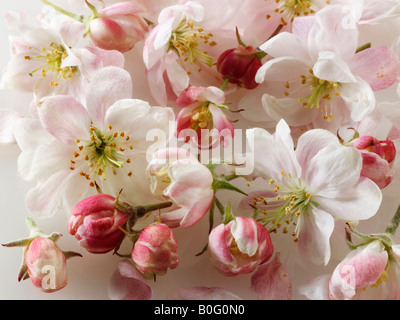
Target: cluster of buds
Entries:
(101, 222)
(44, 262)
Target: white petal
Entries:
(359, 202)
(359, 98)
(109, 85)
(64, 117)
(331, 67)
(315, 227)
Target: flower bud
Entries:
(378, 157)
(47, 266)
(96, 222)
(240, 66)
(203, 114)
(239, 246)
(118, 27)
(156, 250)
(360, 269)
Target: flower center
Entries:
(291, 201)
(102, 151)
(53, 57)
(290, 9)
(185, 41)
(202, 118)
(321, 93)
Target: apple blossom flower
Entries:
(320, 77)
(202, 293)
(311, 186)
(378, 157)
(127, 283)
(369, 272)
(239, 246)
(362, 267)
(95, 223)
(156, 250)
(203, 111)
(181, 49)
(181, 178)
(46, 61)
(42, 257)
(118, 27)
(76, 148)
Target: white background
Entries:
(88, 276)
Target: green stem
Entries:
(61, 10)
(224, 84)
(363, 47)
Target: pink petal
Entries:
(64, 117)
(272, 281)
(127, 283)
(379, 66)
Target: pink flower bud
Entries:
(95, 222)
(378, 157)
(156, 250)
(361, 268)
(118, 27)
(240, 66)
(202, 113)
(239, 246)
(47, 265)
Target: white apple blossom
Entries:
(183, 46)
(45, 58)
(76, 148)
(316, 75)
(311, 186)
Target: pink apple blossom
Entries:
(181, 178)
(155, 251)
(361, 268)
(239, 246)
(45, 58)
(47, 266)
(369, 272)
(378, 157)
(310, 186)
(118, 27)
(127, 283)
(95, 223)
(318, 77)
(203, 111)
(72, 148)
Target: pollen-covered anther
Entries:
(185, 41)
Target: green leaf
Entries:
(220, 184)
